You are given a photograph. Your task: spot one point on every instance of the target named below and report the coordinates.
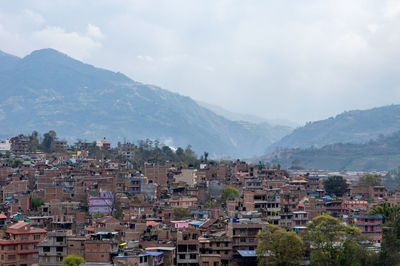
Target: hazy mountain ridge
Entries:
(357, 126)
(49, 90)
(382, 153)
(247, 117)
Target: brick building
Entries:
(19, 244)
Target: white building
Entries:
(5, 145)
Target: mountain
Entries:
(7, 61)
(381, 154)
(280, 123)
(357, 126)
(49, 90)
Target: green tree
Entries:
(335, 185)
(33, 142)
(370, 180)
(48, 139)
(36, 202)
(205, 157)
(98, 215)
(278, 247)
(181, 213)
(72, 260)
(327, 236)
(390, 248)
(229, 193)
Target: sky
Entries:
(297, 60)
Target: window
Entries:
(25, 247)
(11, 247)
(11, 257)
(182, 256)
(23, 257)
(59, 249)
(36, 237)
(193, 256)
(59, 239)
(46, 249)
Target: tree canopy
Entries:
(390, 247)
(72, 260)
(334, 243)
(181, 213)
(36, 202)
(278, 247)
(335, 185)
(370, 180)
(229, 193)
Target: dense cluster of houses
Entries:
(109, 213)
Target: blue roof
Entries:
(327, 197)
(198, 224)
(197, 212)
(154, 253)
(247, 253)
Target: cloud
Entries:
(392, 9)
(94, 32)
(306, 60)
(33, 17)
(72, 43)
(145, 58)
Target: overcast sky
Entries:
(298, 60)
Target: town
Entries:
(150, 204)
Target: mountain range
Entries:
(358, 126)
(380, 154)
(357, 140)
(48, 90)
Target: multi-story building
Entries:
(244, 235)
(53, 249)
(19, 145)
(265, 201)
(127, 150)
(18, 245)
(187, 247)
(184, 202)
(370, 225)
(217, 244)
(103, 144)
(5, 145)
(103, 202)
(300, 219)
(253, 183)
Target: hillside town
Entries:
(98, 202)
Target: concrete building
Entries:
(215, 248)
(244, 234)
(53, 249)
(5, 145)
(187, 247)
(127, 150)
